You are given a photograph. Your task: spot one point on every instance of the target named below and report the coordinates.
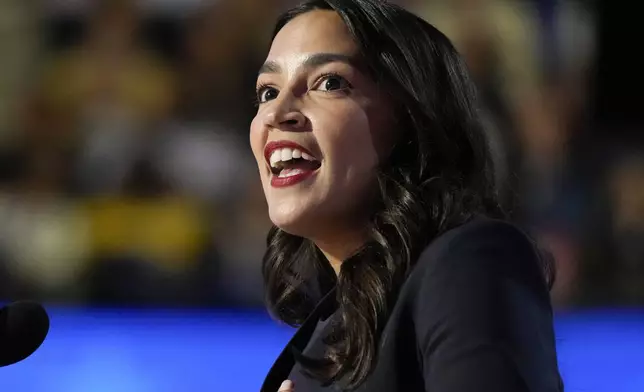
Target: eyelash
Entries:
(260, 89)
(258, 92)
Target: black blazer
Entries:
(474, 315)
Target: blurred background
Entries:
(131, 206)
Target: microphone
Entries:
(23, 327)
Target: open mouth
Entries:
(288, 159)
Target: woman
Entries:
(386, 249)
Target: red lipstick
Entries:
(293, 171)
(283, 182)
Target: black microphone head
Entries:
(23, 327)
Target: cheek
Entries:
(352, 160)
(257, 139)
(353, 149)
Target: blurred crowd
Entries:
(125, 175)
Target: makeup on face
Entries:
(319, 120)
(290, 163)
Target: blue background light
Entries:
(171, 351)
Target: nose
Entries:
(285, 116)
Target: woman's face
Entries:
(320, 129)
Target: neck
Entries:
(341, 247)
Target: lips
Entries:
(289, 162)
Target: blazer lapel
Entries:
(286, 360)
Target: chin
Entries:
(293, 221)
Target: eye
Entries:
(266, 93)
(332, 82)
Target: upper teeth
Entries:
(286, 154)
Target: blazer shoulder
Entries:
(480, 243)
(478, 294)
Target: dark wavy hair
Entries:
(438, 176)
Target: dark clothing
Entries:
(474, 315)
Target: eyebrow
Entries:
(312, 61)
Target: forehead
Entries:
(319, 31)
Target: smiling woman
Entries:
(388, 247)
(314, 95)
